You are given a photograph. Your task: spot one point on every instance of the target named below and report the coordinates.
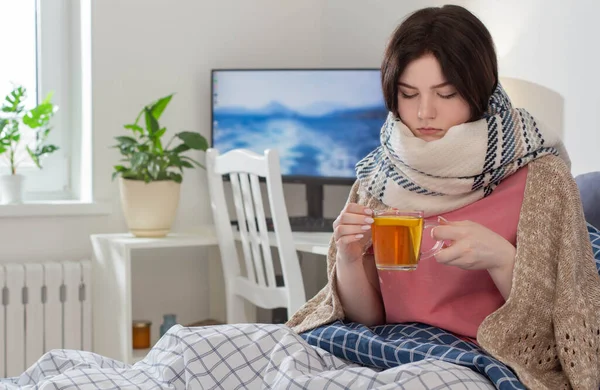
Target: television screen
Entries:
(322, 122)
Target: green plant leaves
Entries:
(13, 101)
(193, 140)
(144, 156)
(37, 119)
(41, 150)
(126, 141)
(33, 156)
(135, 128)
(180, 149)
(158, 148)
(158, 107)
(47, 149)
(40, 115)
(160, 132)
(138, 159)
(176, 177)
(154, 169)
(151, 122)
(193, 161)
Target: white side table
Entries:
(111, 280)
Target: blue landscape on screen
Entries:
(322, 122)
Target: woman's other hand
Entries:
(473, 246)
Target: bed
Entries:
(268, 356)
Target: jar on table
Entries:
(141, 334)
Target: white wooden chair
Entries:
(257, 284)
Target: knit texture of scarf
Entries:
(464, 166)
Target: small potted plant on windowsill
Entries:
(13, 116)
(151, 173)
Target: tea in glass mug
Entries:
(397, 239)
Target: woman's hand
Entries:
(474, 247)
(352, 232)
(356, 276)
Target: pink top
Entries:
(448, 297)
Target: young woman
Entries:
(439, 72)
(500, 186)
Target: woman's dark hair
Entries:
(460, 42)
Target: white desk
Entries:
(111, 289)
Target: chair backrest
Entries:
(258, 283)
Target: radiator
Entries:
(44, 306)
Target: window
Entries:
(18, 21)
(43, 49)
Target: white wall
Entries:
(143, 49)
(146, 49)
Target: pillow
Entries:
(595, 239)
(589, 188)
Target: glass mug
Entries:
(397, 236)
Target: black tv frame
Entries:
(313, 184)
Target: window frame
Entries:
(63, 55)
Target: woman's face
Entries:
(427, 104)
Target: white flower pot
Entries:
(149, 208)
(11, 189)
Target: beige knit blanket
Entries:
(548, 330)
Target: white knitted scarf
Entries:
(464, 166)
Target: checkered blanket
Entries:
(249, 356)
(395, 345)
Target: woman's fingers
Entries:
(448, 232)
(449, 254)
(353, 224)
(354, 214)
(346, 240)
(355, 219)
(355, 208)
(350, 230)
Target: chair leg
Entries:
(236, 312)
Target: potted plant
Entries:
(13, 116)
(150, 173)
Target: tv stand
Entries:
(314, 220)
(314, 200)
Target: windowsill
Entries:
(55, 208)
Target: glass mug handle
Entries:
(438, 245)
